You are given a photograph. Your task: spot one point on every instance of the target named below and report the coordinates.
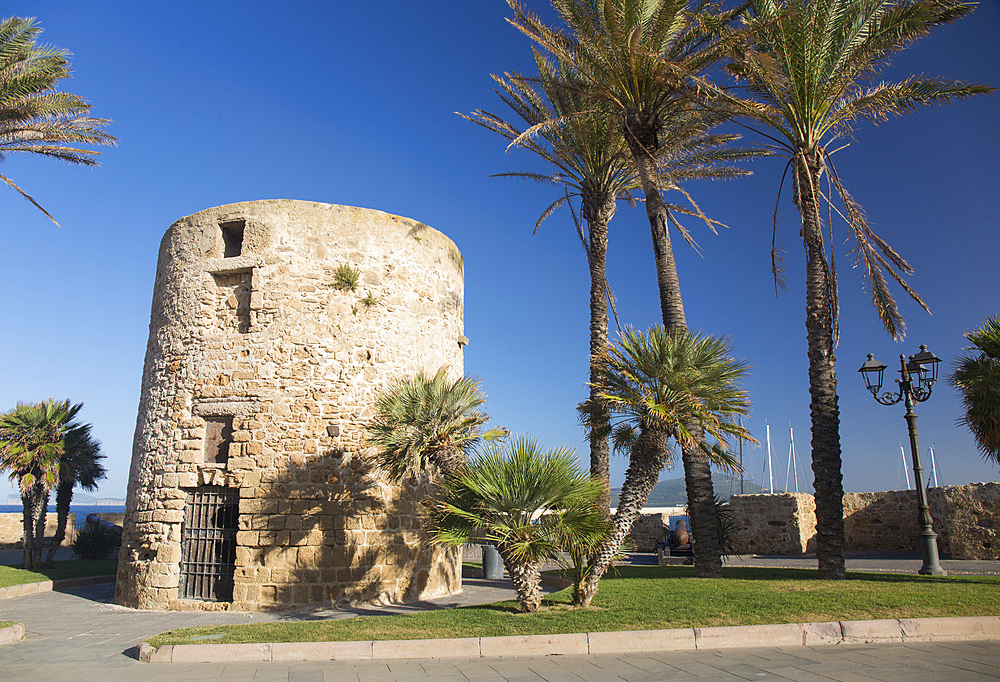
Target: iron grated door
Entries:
(208, 543)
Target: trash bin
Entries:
(492, 563)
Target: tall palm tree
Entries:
(32, 441)
(592, 163)
(635, 60)
(977, 378)
(665, 387)
(810, 64)
(531, 503)
(80, 464)
(428, 420)
(34, 117)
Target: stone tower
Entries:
(250, 485)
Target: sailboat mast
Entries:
(906, 472)
(933, 467)
(791, 448)
(770, 469)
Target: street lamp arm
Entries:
(888, 398)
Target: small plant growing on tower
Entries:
(369, 300)
(345, 278)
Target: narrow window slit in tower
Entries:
(218, 436)
(232, 237)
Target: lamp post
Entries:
(923, 367)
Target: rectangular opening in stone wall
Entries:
(218, 436)
(232, 300)
(208, 543)
(232, 237)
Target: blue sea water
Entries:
(81, 510)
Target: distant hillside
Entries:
(671, 492)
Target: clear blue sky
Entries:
(352, 103)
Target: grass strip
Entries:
(71, 568)
(652, 598)
(5, 624)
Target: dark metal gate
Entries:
(208, 543)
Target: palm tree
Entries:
(428, 420)
(665, 387)
(32, 441)
(635, 59)
(589, 160)
(977, 378)
(34, 117)
(592, 163)
(80, 464)
(810, 64)
(529, 502)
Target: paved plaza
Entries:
(80, 634)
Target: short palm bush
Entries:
(529, 502)
(428, 420)
(95, 541)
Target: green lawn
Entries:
(72, 568)
(651, 598)
(5, 624)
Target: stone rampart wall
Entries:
(966, 520)
(12, 528)
(774, 524)
(649, 529)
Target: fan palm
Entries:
(809, 64)
(664, 387)
(80, 464)
(592, 163)
(32, 441)
(977, 378)
(34, 117)
(635, 59)
(428, 420)
(529, 502)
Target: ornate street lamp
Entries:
(916, 381)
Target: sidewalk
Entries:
(81, 633)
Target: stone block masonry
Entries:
(966, 520)
(251, 486)
(12, 528)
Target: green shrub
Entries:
(95, 542)
(345, 278)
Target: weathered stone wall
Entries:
(262, 339)
(649, 529)
(966, 520)
(12, 528)
(774, 524)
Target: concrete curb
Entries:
(11, 633)
(592, 643)
(50, 585)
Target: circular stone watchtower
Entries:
(251, 485)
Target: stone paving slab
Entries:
(12, 633)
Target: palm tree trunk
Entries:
(41, 503)
(823, 406)
(697, 469)
(597, 218)
(671, 304)
(645, 465)
(450, 461)
(28, 524)
(34, 499)
(64, 497)
(525, 576)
